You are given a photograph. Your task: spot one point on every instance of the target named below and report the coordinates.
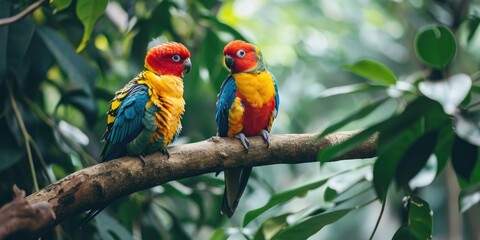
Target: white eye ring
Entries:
(241, 53)
(176, 58)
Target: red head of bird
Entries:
(241, 56)
(168, 58)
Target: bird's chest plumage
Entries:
(257, 93)
(166, 105)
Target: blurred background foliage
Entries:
(60, 66)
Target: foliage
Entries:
(413, 81)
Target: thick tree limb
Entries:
(100, 183)
(20, 220)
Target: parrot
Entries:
(247, 105)
(144, 116)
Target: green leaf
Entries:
(19, 37)
(398, 134)
(373, 70)
(415, 158)
(419, 224)
(435, 46)
(281, 197)
(468, 198)
(464, 157)
(334, 151)
(311, 225)
(10, 151)
(60, 4)
(110, 229)
(390, 153)
(473, 22)
(361, 113)
(467, 126)
(79, 91)
(449, 92)
(347, 89)
(88, 12)
(444, 147)
(218, 234)
(271, 226)
(4, 12)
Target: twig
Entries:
(22, 14)
(384, 202)
(25, 134)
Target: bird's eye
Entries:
(241, 53)
(176, 58)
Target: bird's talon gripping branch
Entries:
(244, 141)
(142, 158)
(166, 152)
(266, 137)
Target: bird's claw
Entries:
(244, 141)
(166, 152)
(266, 137)
(142, 158)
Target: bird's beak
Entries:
(229, 61)
(187, 65)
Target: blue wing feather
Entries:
(225, 99)
(127, 124)
(277, 96)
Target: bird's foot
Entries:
(142, 158)
(266, 137)
(166, 153)
(244, 141)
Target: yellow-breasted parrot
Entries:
(144, 116)
(246, 106)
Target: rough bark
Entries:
(103, 182)
(20, 220)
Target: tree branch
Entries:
(22, 14)
(20, 219)
(103, 182)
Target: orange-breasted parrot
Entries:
(144, 116)
(246, 106)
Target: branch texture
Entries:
(103, 182)
(20, 220)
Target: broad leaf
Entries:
(373, 70)
(397, 136)
(218, 234)
(19, 36)
(363, 112)
(107, 225)
(311, 225)
(88, 12)
(444, 147)
(426, 175)
(473, 22)
(353, 88)
(271, 226)
(464, 157)
(449, 92)
(82, 75)
(390, 153)
(467, 126)
(415, 158)
(468, 198)
(435, 46)
(281, 197)
(60, 4)
(334, 151)
(10, 151)
(4, 12)
(419, 223)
